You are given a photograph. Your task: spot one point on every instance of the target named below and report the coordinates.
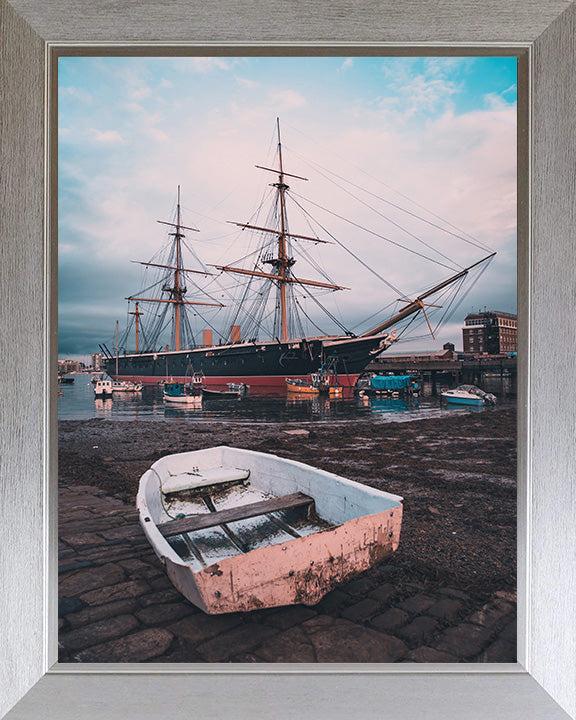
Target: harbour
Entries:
(77, 401)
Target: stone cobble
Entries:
(116, 604)
(390, 620)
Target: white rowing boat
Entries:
(239, 530)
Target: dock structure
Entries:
(428, 365)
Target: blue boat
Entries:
(188, 392)
(391, 383)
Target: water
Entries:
(77, 402)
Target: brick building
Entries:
(490, 332)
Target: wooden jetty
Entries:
(463, 368)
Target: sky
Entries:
(410, 165)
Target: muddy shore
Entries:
(457, 476)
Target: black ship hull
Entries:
(264, 365)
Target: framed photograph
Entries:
(33, 684)
(299, 359)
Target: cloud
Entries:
(348, 63)
(418, 86)
(156, 134)
(287, 99)
(208, 137)
(496, 101)
(202, 64)
(107, 137)
(136, 85)
(76, 93)
(246, 82)
(140, 93)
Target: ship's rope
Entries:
(370, 232)
(396, 224)
(460, 234)
(386, 282)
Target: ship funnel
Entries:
(235, 336)
(207, 338)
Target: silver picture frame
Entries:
(542, 685)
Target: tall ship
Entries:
(264, 342)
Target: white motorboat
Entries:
(126, 386)
(103, 387)
(469, 395)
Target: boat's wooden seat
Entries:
(242, 512)
(202, 478)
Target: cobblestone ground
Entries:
(116, 604)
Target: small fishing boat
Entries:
(323, 382)
(126, 386)
(103, 388)
(469, 395)
(184, 393)
(65, 380)
(239, 530)
(233, 391)
(388, 385)
(301, 387)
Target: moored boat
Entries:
(469, 395)
(126, 386)
(323, 382)
(301, 387)
(239, 530)
(388, 385)
(103, 387)
(182, 392)
(233, 391)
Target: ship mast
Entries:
(282, 264)
(177, 291)
(137, 314)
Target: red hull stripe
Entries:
(263, 382)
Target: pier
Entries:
(462, 368)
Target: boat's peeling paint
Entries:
(300, 571)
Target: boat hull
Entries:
(301, 388)
(259, 365)
(358, 527)
(464, 401)
(300, 572)
(183, 399)
(469, 395)
(221, 394)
